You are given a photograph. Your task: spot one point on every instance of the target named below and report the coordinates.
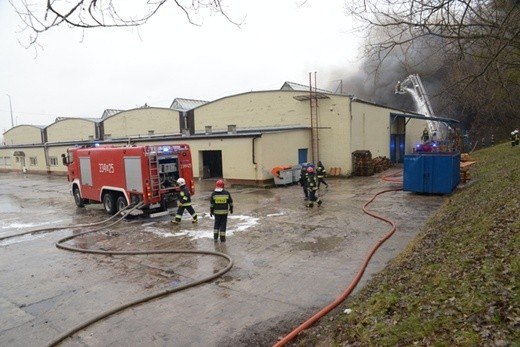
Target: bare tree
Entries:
(472, 46)
(487, 31)
(39, 16)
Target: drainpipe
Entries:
(253, 149)
(46, 154)
(253, 158)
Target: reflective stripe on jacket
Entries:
(221, 202)
(320, 170)
(312, 182)
(184, 197)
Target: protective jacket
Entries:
(184, 197)
(221, 202)
(303, 178)
(312, 182)
(320, 171)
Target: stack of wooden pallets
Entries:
(465, 164)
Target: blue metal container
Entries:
(433, 173)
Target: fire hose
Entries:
(317, 316)
(61, 245)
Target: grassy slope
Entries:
(457, 284)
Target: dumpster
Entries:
(284, 177)
(433, 173)
(296, 171)
(282, 174)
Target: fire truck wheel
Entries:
(77, 197)
(109, 203)
(121, 203)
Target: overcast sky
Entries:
(81, 73)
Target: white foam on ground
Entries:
(236, 223)
(23, 238)
(276, 214)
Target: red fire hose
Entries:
(359, 274)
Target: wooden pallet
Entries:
(465, 174)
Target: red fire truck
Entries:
(119, 176)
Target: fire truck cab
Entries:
(119, 176)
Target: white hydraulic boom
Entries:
(413, 85)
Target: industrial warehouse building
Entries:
(239, 137)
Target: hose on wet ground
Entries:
(61, 245)
(122, 214)
(146, 298)
(317, 316)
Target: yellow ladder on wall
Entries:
(313, 102)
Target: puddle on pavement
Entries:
(9, 204)
(320, 244)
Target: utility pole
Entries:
(11, 109)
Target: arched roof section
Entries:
(73, 129)
(24, 134)
(142, 122)
(272, 108)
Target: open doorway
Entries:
(211, 164)
(397, 139)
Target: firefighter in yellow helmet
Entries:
(184, 203)
(220, 203)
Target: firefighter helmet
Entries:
(220, 184)
(310, 169)
(181, 181)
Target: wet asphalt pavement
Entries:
(289, 262)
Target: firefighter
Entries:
(220, 203)
(513, 138)
(425, 135)
(321, 172)
(517, 137)
(303, 182)
(312, 187)
(184, 203)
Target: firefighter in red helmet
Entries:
(221, 203)
(312, 187)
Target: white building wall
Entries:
(57, 164)
(253, 110)
(334, 132)
(279, 149)
(414, 130)
(139, 122)
(371, 129)
(23, 134)
(71, 129)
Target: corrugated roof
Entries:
(302, 87)
(95, 120)
(180, 104)
(109, 112)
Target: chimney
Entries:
(232, 129)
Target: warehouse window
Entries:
(5, 161)
(53, 161)
(33, 161)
